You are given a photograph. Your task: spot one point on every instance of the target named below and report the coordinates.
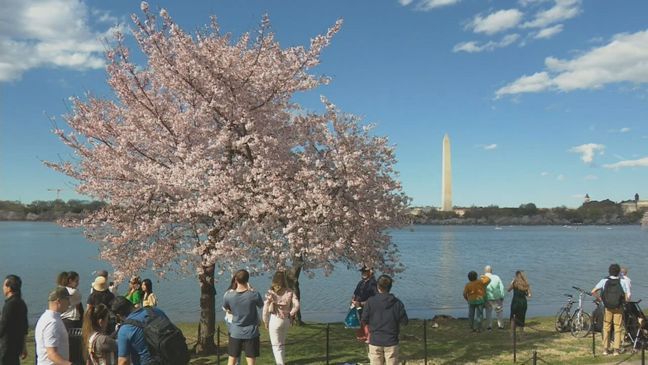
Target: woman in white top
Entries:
(150, 300)
(73, 315)
(279, 309)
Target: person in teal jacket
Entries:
(494, 299)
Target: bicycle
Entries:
(578, 323)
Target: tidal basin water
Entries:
(437, 260)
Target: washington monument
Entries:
(446, 177)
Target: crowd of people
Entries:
(486, 292)
(111, 325)
(106, 325)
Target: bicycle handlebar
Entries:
(581, 290)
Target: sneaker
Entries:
(500, 327)
(606, 352)
(489, 329)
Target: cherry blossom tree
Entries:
(207, 165)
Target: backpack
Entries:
(165, 341)
(613, 294)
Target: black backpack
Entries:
(165, 341)
(613, 295)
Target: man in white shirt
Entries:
(494, 298)
(52, 344)
(627, 283)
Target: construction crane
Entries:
(58, 192)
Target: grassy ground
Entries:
(449, 343)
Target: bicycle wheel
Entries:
(562, 320)
(581, 323)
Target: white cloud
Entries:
(547, 33)
(544, 173)
(591, 177)
(560, 177)
(526, 84)
(588, 150)
(491, 146)
(474, 47)
(433, 4)
(560, 11)
(426, 5)
(642, 162)
(496, 22)
(623, 59)
(49, 33)
(624, 130)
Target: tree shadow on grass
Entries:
(453, 342)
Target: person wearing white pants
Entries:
(279, 309)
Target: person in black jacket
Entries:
(384, 313)
(365, 289)
(13, 323)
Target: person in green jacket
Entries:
(135, 293)
(495, 294)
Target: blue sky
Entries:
(544, 100)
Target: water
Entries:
(437, 259)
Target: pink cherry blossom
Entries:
(205, 160)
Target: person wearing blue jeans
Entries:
(475, 295)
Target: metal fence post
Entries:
(514, 340)
(425, 354)
(218, 345)
(593, 343)
(535, 357)
(643, 355)
(327, 344)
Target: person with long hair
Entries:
(279, 309)
(149, 300)
(521, 291)
(62, 278)
(73, 316)
(98, 346)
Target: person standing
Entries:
(73, 315)
(13, 323)
(475, 294)
(521, 291)
(135, 293)
(365, 289)
(149, 300)
(243, 303)
(384, 314)
(279, 310)
(494, 298)
(99, 347)
(52, 344)
(627, 283)
(611, 290)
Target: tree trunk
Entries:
(293, 283)
(207, 325)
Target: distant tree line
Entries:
(593, 212)
(40, 210)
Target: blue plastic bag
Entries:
(352, 319)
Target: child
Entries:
(475, 295)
